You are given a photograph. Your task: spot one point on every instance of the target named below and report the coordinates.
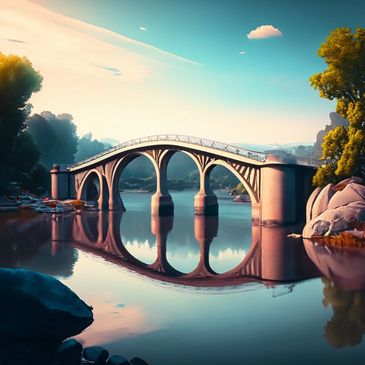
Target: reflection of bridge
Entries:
(278, 189)
(272, 256)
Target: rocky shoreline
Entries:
(337, 212)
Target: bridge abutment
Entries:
(284, 191)
(62, 183)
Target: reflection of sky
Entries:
(174, 324)
(137, 316)
(227, 249)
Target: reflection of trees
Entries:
(26, 243)
(347, 324)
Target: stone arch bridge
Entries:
(278, 188)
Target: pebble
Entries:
(118, 360)
(95, 354)
(138, 361)
(69, 352)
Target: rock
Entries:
(294, 235)
(138, 361)
(118, 360)
(354, 179)
(334, 221)
(69, 352)
(310, 203)
(37, 306)
(351, 193)
(96, 354)
(323, 198)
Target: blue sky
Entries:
(265, 92)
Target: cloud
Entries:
(241, 52)
(113, 70)
(264, 31)
(13, 40)
(143, 29)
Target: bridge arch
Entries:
(94, 187)
(116, 201)
(211, 165)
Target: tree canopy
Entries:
(343, 149)
(18, 81)
(55, 137)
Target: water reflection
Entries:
(271, 257)
(343, 291)
(347, 325)
(344, 266)
(25, 243)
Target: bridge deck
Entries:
(186, 143)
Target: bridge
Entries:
(278, 188)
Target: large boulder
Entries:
(351, 193)
(354, 179)
(335, 208)
(322, 201)
(39, 307)
(309, 207)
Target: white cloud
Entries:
(264, 31)
(241, 52)
(143, 29)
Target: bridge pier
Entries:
(161, 201)
(205, 201)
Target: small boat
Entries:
(242, 198)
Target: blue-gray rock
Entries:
(37, 306)
(95, 354)
(138, 361)
(69, 352)
(118, 360)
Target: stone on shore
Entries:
(313, 197)
(96, 354)
(344, 207)
(320, 204)
(69, 352)
(351, 193)
(118, 360)
(138, 361)
(39, 307)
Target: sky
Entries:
(235, 71)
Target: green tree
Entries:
(18, 80)
(343, 151)
(88, 147)
(55, 137)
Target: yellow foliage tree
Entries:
(343, 149)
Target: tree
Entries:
(343, 80)
(55, 137)
(18, 81)
(88, 147)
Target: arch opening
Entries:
(134, 181)
(182, 179)
(234, 236)
(90, 191)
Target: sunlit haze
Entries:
(238, 72)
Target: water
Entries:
(192, 305)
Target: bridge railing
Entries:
(255, 155)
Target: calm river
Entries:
(192, 290)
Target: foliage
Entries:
(18, 80)
(344, 54)
(238, 189)
(88, 147)
(55, 137)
